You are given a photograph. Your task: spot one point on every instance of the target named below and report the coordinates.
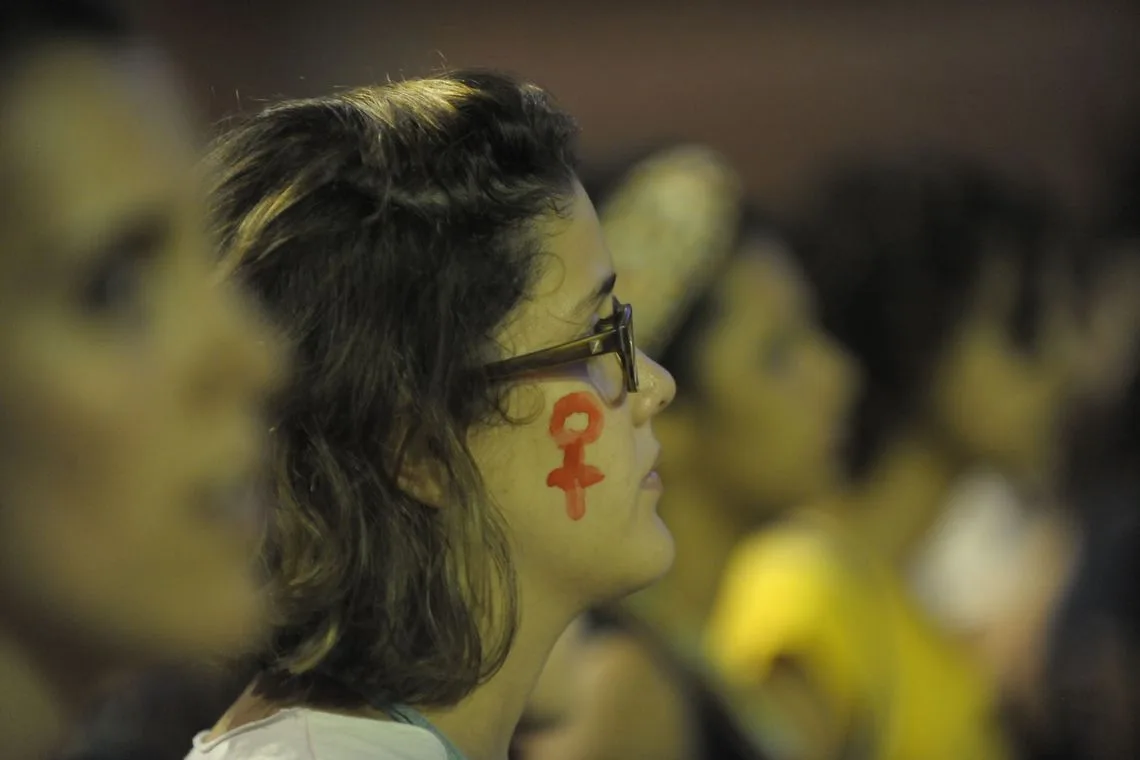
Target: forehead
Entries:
(576, 262)
(87, 136)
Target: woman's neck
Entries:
(482, 724)
(705, 528)
(906, 489)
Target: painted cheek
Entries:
(575, 476)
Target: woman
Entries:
(132, 386)
(1082, 689)
(466, 459)
(756, 429)
(950, 287)
(1082, 699)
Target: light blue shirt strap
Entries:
(413, 717)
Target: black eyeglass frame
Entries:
(612, 335)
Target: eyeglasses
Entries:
(612, 335)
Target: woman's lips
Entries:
(653, 482)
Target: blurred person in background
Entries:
(1086, 685)
(466, 459)
(1080, 695)
(757, 428)
(155, 714)
(953, 290)
(1111, 277)
(991, 533)
(132, 385)
(1002, 562)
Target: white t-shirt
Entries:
(304, 734)
(970, 564)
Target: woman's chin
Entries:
(657, 552)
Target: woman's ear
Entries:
(422, 475)
(425, 487)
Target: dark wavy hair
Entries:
(896, 250)
(389, 232)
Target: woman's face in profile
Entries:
(999, 402)
(132, 387)
(776, 390)
(573, 475)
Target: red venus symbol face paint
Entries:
(575, 476)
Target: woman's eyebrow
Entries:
(591, 302)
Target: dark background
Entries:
(1045, 88)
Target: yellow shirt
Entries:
(807, 593)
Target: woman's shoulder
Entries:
(304, 734)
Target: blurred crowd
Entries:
(388, 427)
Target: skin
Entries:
(620, 544)
(131, 394)
(552, 700)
